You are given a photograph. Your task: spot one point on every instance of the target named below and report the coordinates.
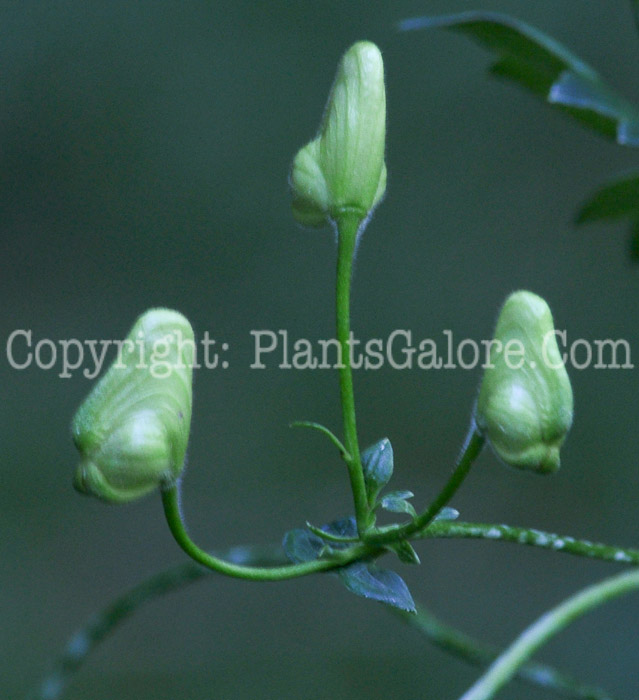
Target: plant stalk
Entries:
(547, 626)
(170, 501)
(472, 447)
(347, 229)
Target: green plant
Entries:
(551, 72)
(339, 178)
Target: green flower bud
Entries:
(343, 168)
(133, 428)
(525, 401)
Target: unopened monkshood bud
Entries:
(133, 428)
(343, 169)
(525, 403)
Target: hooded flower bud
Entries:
(133, 428)
(343, 168)
(525, 401)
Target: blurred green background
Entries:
(145, 152)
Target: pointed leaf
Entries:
(382, 585)
(543, 66)
(447, 514)
(377, 462)
(400, 494)
(396, 502)
(614, 200)
(405, 552)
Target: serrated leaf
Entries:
(377, 463)
(302, 545)
(540, 64)
(382, 585)
(614, 200)
(396, 502)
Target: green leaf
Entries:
(302, 545)
(543, 66)
(614, 200)
(400, 494)
(396, 502)
(618, 199)
(307, 545)
(377, 463)
(405, 552)
(382, 585)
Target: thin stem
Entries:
(170, 500)
(322, 429)
(530, 537)
(104, 623)
(470, 451)
(328, 536)
(100, 626)
(548, 625)
(476, 652)
(347, 229)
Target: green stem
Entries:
(472, 447)
(322, 429)
(473, 651)
(530, 537)
(170, 500)
(329, 537)
(548, 625)
(106, 622)
(347, 229)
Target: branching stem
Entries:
(472, 447)
(170, 500)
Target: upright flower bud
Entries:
(343, 168)
(133, 428)
(525, 401)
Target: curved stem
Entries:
(530, 537)
(170, 501)
(322, 429)
(328, 536)
(105, 623)
(347, 230)
(470, 451)
(474, 651)
(548, 625)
